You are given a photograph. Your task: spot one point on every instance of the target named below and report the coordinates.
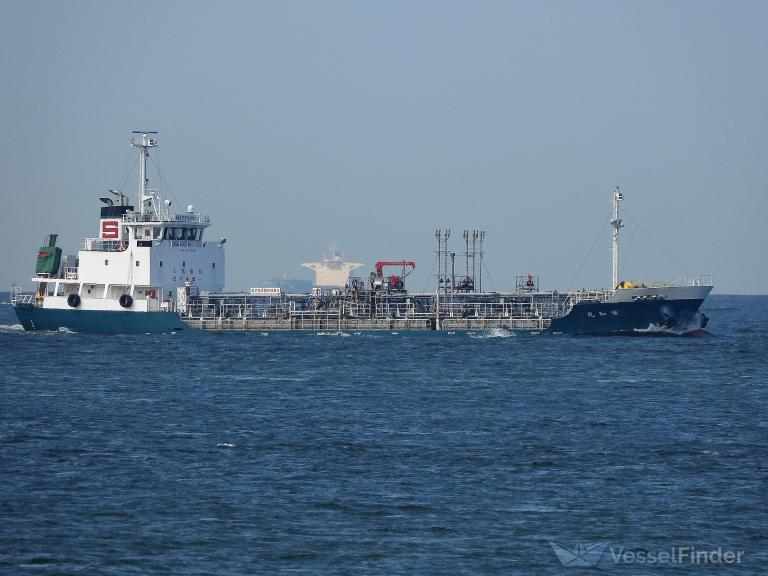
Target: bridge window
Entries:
(190, 233)
(137, 262)
(156, 232)
(106, 262)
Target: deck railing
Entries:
(583, 295)
(154, 217)
(696, 280)
(99, 245)
(17, 297)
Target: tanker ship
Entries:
(152, 270)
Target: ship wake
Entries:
(692, 325)
(494, 333)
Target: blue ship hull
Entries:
(98, 321)
(637, 318)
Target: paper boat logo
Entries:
(581, 555)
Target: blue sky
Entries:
(297, 124)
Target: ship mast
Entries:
(617, 225)
(143, 140)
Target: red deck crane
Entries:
(395, 281)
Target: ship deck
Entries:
(361, 310)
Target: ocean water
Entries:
(248, 453)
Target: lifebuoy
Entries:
(73, 300)
(126, 300)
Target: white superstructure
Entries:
(141, 256)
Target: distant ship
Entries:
(332, 271)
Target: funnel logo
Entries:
(580, 555)
(109, 228)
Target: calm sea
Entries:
(248, 453)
